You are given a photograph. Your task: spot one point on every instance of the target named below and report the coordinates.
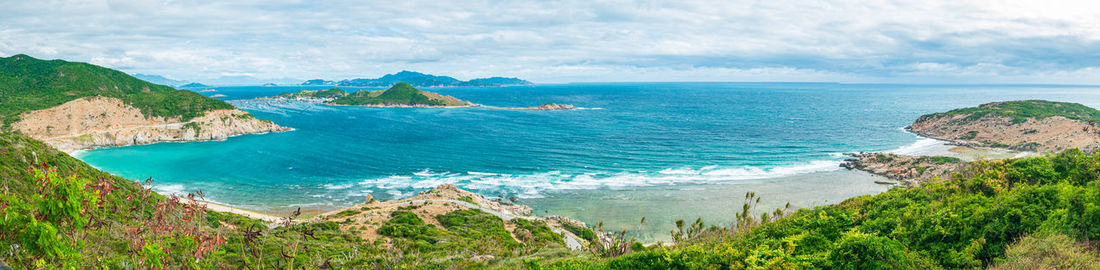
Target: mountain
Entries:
(157, 79)
(318, 82)
(418, 79)
(400, 95)
(194, 85)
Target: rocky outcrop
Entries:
(99, 121)
(982, 129)
(907, 170)
(366, 218)
(543, 107)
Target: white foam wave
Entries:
(530, 185)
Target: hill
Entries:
(1029, 125)
(400, 95)
(28, 84)
(418, 79)
(76, 106)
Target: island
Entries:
(418, 79)
(74, 106)
(194, 85)
(400, 95)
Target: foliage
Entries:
(966, 221)
(1022, 110)
(475, 224)
(28, 84)
(399, 94)
(1049, 251)
(536, 232)
(580, 231)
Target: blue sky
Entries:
(573, 41)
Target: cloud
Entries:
(561, 41)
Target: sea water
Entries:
(661, 150)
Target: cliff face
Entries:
(1050, 134)
(99, 121)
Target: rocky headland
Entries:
(368, 217)
(92, 122)
(1028, 125)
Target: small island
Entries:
(543, 107)
(193, 85)
(1022, 125)
(400, 95)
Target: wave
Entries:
(531, 185)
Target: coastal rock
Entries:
(543, 107)
(91, 122)
(908, 170)
(992, 125)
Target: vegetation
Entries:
(1022, 110)
(1049, 251)
(399, 94)
(968, 221)
(28, 84)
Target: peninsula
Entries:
(74, 106)
(400, 95)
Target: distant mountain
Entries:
(193, 85)
(157, 79)
(318, 82)
(418, 79)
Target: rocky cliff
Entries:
(1050, 134)
(100, 121)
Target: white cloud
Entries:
(569, 40)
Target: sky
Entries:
(924, 41)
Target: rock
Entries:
(370, 198)
(482, 258)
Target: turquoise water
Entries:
(628, 135)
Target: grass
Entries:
(29, 84)
(1049, 251)
(1021, 110)
(399, 94)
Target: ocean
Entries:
(660, 150)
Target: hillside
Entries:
(75, 106)
(418, 79)
(63, 213)
(83, 217)
(1027, 125)
(28, 84)
(400, 95)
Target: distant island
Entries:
(157, 79)
(400, 95)
(418, 79)
(193, 85)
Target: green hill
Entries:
(1021, 110)
(28, 84)
(401, 94)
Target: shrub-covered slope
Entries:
(967, 221)
(401, 94)
(28, 84)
